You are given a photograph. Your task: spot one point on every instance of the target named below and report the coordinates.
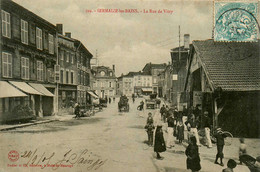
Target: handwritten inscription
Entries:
(68, 159)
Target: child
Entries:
(149, 118)
(242, 148)
(231, 165)
(149, 129)
(220, 145)
(192, 153)
(159, 143)
(180, 129)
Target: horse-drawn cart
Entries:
(151, 102)
(123, 104)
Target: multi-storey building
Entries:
(179, 56)
(127, 84)
(68, 69)
(142, 83)
(28, 56)
(104, 81)
(119, 85)
(154, 70)
(83, 57)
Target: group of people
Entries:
(175, 128)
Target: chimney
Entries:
(114, 68)
(68, 34)
(186, 41)
(59, 28)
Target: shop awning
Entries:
(147, 89)
(25, 87)
(41, 89)
(92, 94)
(7, 90)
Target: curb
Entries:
(27, 124)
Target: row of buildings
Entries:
(43, 70)
(142, 82)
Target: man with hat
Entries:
(220, 136)
(206, 125)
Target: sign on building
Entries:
(197, 98)
(235, 21)
(174, 77)
(57, 73)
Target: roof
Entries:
(181, 48)
(149, 66)
(80, 44)
(233, 66)
(15, 7)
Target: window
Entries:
(61, 55)
(82, 78)
(6, 28)
(39, 70)
(51, 44)
(67, 76)
(87, 79)
(71, 76)
(38, 38)
(25, 67)
(67, 56)
(79, 77)
(24, 32)
(102, 84)
(110, 84)
(72, 58)
(61, 76)
(7, 65)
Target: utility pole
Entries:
(179, 43)
(97, 62)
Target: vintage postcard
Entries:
(129, 85)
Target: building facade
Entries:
(104, 81)
(154, 70)
(83, 57)
(142, 83)
(28, 56)
(68, 70)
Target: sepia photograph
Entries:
(130, 86)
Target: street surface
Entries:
(110, 141)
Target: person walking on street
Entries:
(170, 130)
(180, 129)
(220, 136)
(150, 128)
(141, 106)
(192, 153)
(162, 111)
(109, 100)
(206, 125)
(193, 124)
(77, 110)
(159, 143)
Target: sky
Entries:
(128, 40)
